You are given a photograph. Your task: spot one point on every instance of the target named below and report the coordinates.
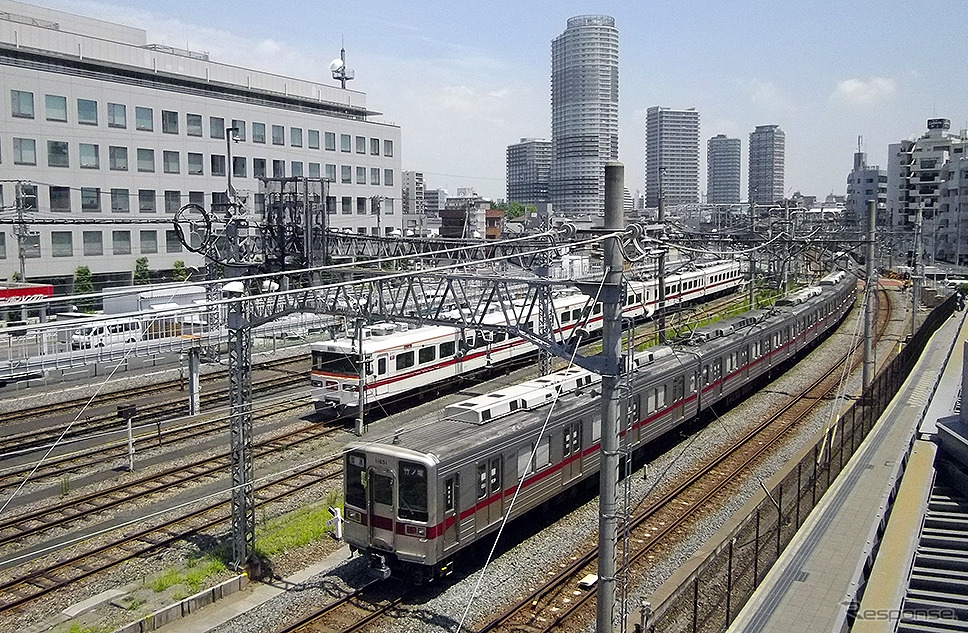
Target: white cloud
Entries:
(861, 92)
(768, 96)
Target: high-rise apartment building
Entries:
(414, 207)
(584, 114)
(529, 168)
(672, 156)
(112, 135)
(865, 183)
(723, 165)
(767, 156)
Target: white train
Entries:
(413, 502)
(397, 359)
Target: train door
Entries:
(489, 506)
(451, 511)
(571, 452)
(381, 365)
(380, 507)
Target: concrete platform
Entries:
(818, 576)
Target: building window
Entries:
(331, 205)
(360, 144)
(258, 132)
(218, 165)
(169, 122)
(238, 166)
(57, 154)
(56, 108)
(360, 205)
(87, 112)
(117, 115)
(118, 158)
(278, 169)
(90, 199)
(388, 177)
(216, 127)
(172, 243)
(171, 162)
(172, 201)
(121, 242)
(278, 135)
(89, 155)
(313, 140)
(297, 169)
(259, 167)
(146, 200)
(60, 199)
(330, 172)
(295, 136)
(330, 139)
(347, 205)
(375, 146)
(193, 124)
(196, 164)
(314, 170)
(61, 244)
(146, 159)
(239, 133)
(149, 242)
(144, 119)
(24, 151)
(22, 104)
(3, 245)
(345, 142)
(345, 174)
(196, 197)
(120, 201)
(93, 243)
(386, 207)
(374, 175)
(388, 148)
(361, 175)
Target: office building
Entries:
(672, 156)
(865, 183)
(584, 115)
(112, 135)
(766, 164)
(528, 171)
(723, 165)
(414, 206)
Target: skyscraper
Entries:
(767, 151)
(584, 114)
(672, 151)
(723, 170)
(529, 167)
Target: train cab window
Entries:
(381, 366)
(499, 337)
(598, 308)
(447, 349)
(355, 469)
(427, 354)
(494, 479)
(404, 360)
(482, 480)
(413, 492)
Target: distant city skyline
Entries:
(465, 82)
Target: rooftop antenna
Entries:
(339, 70)
(860, 143)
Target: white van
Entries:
(107, 333)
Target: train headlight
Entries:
(354, 516)
(416, 530)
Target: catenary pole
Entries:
(869, 296)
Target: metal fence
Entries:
(720, 585)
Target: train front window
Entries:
(355, 470)
(413, 492)
(335, 363)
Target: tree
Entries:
(141, 273)
(84, 285)
(178, 271)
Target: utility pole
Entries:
(916, 271)
(869, 297)
(22, 231)
(660, 269)
(752, 261)
(611, 357)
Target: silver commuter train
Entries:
(398, 359)
(412, 503)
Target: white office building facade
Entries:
(112, 136)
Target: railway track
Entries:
(556, 603)
(352, 612)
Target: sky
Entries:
(464, 80)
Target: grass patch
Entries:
(169, 578)
(298, 528)
(80, 628)
(192, 579)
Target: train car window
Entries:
(447, 349)
(381, 366)
(692, 383)
(596, 429)
(494, 483)
(566, 441)
(660, 396)
(500, 337)
(524, 461)
(404, 360)
(482, 480)
(564, 316)
(598, 308)
(650, 402)
(451, 488)
(542, 457)
(705, 375)
(413, 492)
(576, 437)
(382, 488)
(677, 388)
(427, 354)
(355, 469)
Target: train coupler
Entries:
(378, 567)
